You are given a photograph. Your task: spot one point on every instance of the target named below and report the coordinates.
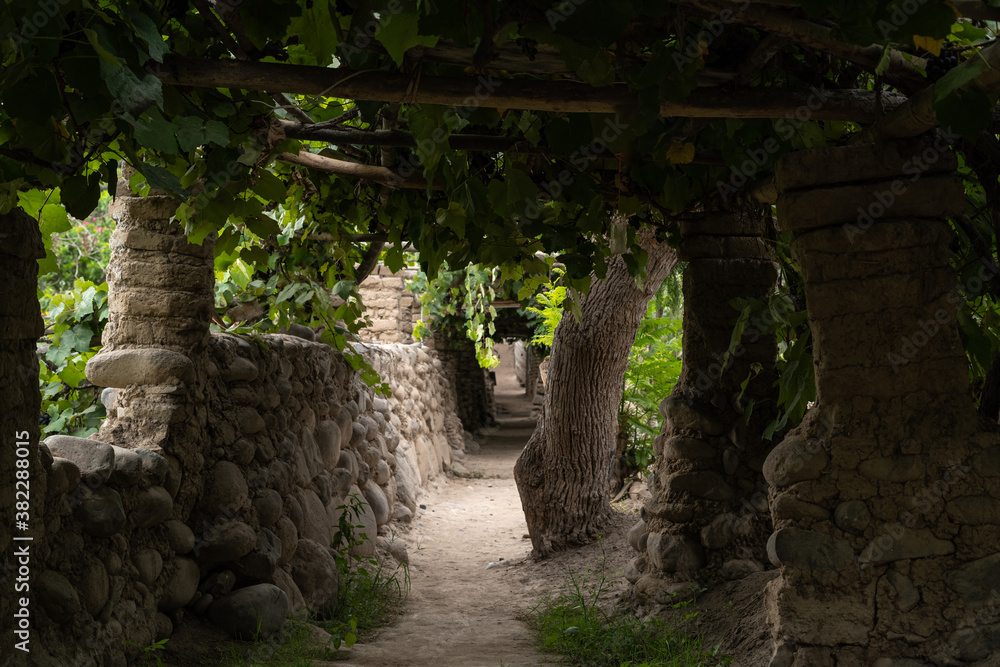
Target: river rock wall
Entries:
(216, 486)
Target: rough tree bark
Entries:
(564, 472)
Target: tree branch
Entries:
(917, 115)
(487, 143)
(370, 260)
(368, 172)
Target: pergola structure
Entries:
(880, 509)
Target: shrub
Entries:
(74, 321)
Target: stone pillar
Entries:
(161, 288)
(472, 383)
(160, 301)
(707, 515)
(20, 405)
(885, 500)
(533, 361)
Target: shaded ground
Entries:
(466, 559)
(471, 581)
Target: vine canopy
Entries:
(473, 132)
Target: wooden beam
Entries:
(487, 90)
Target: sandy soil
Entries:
(471, 580)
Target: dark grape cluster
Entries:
(529, 47)
(937, 67)
(44, 419)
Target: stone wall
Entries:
(393, 309)
(473, 383)
(216, 485)
(526, 366)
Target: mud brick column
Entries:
(20, 404)
(885, 500)
(707, 517)
(160, 286)
(160, 301)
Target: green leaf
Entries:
(397, 31)
(217, 132)
(262, 225)
(288, 292)
(453, 218)
(158, 177)
(85, 303)
(158, 134)
(55, 220)
(303, 296)
(883, 63)
(956, 78)
(344, 288)
(129, 92)
(190, 132)
(316, 30)
(255, 256)
(270, 187)
(81, 194)
(78, 338)
(106, 56)
(150, 33)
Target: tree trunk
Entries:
(564, 472)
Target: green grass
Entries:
(575, 625)
(293, 647)
(372, 598)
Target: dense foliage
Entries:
(459, 302)
(73, 297)
(82, 87)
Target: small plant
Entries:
(460, 301)
(149, 652)
(370, 594)
(576, 625)
(291, 647)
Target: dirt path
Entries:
(462, 610)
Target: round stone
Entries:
(152, 507)
(251, 612)
(225, 542)
(101, 512)
(179, 536)
(182, 586)
(268, 506)
(852, 516)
